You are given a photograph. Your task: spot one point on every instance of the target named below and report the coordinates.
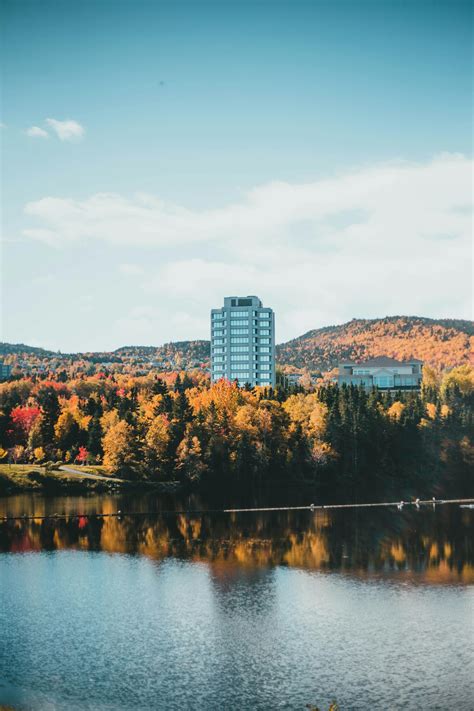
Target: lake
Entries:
(164, 610)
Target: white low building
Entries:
(383, 373)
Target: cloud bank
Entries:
(385, 239)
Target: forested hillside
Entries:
(172, 352)
(441, 343)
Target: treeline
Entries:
(345, 441)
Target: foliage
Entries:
(439, 343)
(345, 442)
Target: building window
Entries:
(218, 341)
(238, 331)
(384, 382)
(218, 316)
(239, 340)
(264, 349)
(239, 349)
(264, 332)
(264, 340)
(264, 358)
(237, 314)
(264, 314)
(264, 366)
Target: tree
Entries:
(156, 445)
(118, 446)
(82, 455)
(23, 419)
(66, 431)
(94, 436)
(39, 454)
(49, 404)
(189, 463)
(17, 453)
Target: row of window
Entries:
(244, 329)
(256, 373)
(242, 339)
(242, 349)
(242, 357)
(220, 328)
(218, 315)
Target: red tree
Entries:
(23, 419)
(83, 455)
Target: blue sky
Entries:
(315, 153)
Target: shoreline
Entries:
(24, 478)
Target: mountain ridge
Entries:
(442, 343)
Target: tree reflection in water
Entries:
(434, 546)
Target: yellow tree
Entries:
(461, 378)
(118, 448)
(157, 440)
(396, 409)
(309, 412)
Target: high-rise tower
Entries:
(243, 341)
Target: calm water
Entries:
(248, 611)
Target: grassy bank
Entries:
(16, 478)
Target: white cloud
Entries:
(68, 130)
(130, 269)
(37, 132)
(390, 238)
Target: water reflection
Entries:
(435, 546)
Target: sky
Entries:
(160, 155)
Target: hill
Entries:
(183, 350)
(16, 348)
(441, 343)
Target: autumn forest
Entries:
(343, 442)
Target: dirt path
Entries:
(87, 475)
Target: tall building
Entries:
(243, 341)
(5, 371)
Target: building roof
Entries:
(381, 362)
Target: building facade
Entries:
(5, 371)
(383, 373)
(243, 341)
